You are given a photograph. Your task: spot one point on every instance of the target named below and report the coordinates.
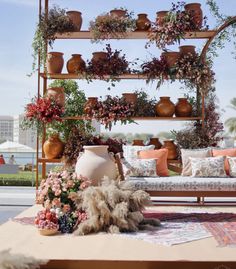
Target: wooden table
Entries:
(113, 251)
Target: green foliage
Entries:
(231, 122)
(74, 105)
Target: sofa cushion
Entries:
(179, 183)
(195, 153)
(231, 152)
(161, 158)
(132, 151)
(232, 166)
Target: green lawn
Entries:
(23, 178)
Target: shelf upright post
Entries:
(44, 92)
(203, 111)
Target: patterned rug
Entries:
(178, 228)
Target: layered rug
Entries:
(178, 228)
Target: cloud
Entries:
(29, 3)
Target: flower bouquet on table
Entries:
(58, 193)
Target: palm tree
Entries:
(231, 122)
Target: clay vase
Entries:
(55, 62)
(118, 13)
(76, 18)
(95, 163)
(130, 97)
(137, 142)
(165, 108)
(143, 23)
(90, 103)
(196, 12)
(58, 94)
(75, 64)
(99, 55)
(172, 149)
(155, 141)
(161, 17)
(184, 50)
(53, 147)
(183, 108)
(171, 57)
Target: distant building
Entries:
(26, 137)
(6, 128)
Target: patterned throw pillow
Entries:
(131, 152)
(195, 153)
(232, 166)
(139, 167)
(208, 167)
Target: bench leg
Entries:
(198, 200)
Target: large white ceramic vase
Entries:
(95, 163)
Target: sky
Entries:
(18, 20)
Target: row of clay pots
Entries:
(172, 57)
(168, 144)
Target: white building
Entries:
(6, 128)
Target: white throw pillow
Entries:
(208, 167)
(139, 167)
(131, 152)
(232, 166)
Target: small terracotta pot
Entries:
(118, 13)
(138, 142)
(55, 62)
(183, 108)
(130, 97)
(75, 64)
(171, 57)
(165, 108)
(196, 11)
(76, 18)
(99, 55)
(58, 94)
(155, 141)
(143, 23)
(53, 147)
(172, 149)
(161, 17)
(183, 50)
(90, 103)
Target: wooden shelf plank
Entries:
(144, 118)
(133, 35)
(80, 76)
(45, 160)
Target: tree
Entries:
(231, 122)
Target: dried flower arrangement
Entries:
(78, 138)
(144, 107)
(174, 26)
(55, 22)
(111, 110)
(107, 26)
(40, 111)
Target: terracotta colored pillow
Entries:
(161, 156)
(231, 152)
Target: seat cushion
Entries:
(180, 183)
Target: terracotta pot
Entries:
(155, 141)
(75, 64)
(53, 147)
(183, 50)
(118, 13)
(95, 163)
(58, 94)
(143, 23)
(130, 97)
(195, 9)
(172, 149)
(76, 19)
(171, 57)
(161, 17)
(55, 62)
(165, 108)
(183, 108)
(91, 102)
(99, 55)
(137, 142)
